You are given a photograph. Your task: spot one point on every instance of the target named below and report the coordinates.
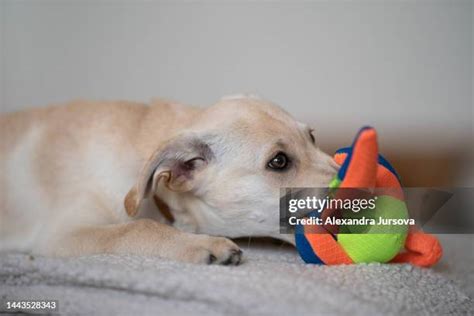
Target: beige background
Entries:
(404, 67)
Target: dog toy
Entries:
(361, 167)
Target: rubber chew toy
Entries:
(363, 167)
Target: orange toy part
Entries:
(422, 250)
(364, 171)
(384, 179)
(361, 173)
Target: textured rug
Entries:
(271, 281)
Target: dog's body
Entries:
(68, 176)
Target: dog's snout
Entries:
(326, 163)
(334, 164)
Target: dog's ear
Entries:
(175, 163)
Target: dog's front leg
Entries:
(150, 238)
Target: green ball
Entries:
(378, 243)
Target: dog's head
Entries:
(228, 167)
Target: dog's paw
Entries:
(222, 251)
(211, 250)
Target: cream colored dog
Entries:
(72, 177)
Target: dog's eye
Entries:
(279, 162)
(311, 135)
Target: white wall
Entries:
(405, 67)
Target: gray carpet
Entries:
(271, 281)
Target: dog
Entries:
(85, 177)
